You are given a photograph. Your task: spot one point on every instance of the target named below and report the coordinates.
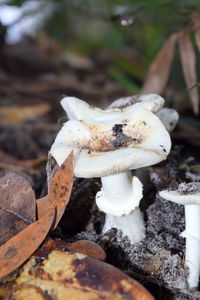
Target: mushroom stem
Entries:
(119, 198)
(192, 235)
(135, 232)
(116, 186)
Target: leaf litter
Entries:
(19, 201)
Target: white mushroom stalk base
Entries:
(192, 235)
(119, 198)
(131, 225)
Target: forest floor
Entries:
(33, 79)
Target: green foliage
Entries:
(196, 85)
(119, 77)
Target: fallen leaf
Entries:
(75, 276)
(23, 113)
(159, 70)
(188, 61)
(17, 205)
(77, 61)
(50, 245)
(59, 191)
(16, 251)
(82, 246)
(88, 248)
(10, 163)
(29, 292)
(32, 163)
(5, 293)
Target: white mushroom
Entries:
(189, 196)
(108, 144)
(169, 117)
(153, 102)
(119, 199)
(77, 109)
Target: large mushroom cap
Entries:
(77, 109)
(187, 193)
(103, 146)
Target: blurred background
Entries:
(97, 51)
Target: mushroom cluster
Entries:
(188, 194)
(108, 144)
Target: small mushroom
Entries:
(169, 117)
(108, 145)
(188, 194)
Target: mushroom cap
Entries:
(186, 194)
(169, 118)
(77, 109)
(152, 102)
(134, 139)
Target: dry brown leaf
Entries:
(59, 192)
(82, 246)
(88, 248)
(32, 163)
(17, 205)
(188, 61)
(15, 251)
(10, 163)
(159, 70)
(76, 276)
(23, 113)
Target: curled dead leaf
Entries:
(188, 61)
(159, 70)
(88, 248)
(19, 248)
(76, 276)
(8, 162)
(59, 192)
(17, 205)
(23, 113)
